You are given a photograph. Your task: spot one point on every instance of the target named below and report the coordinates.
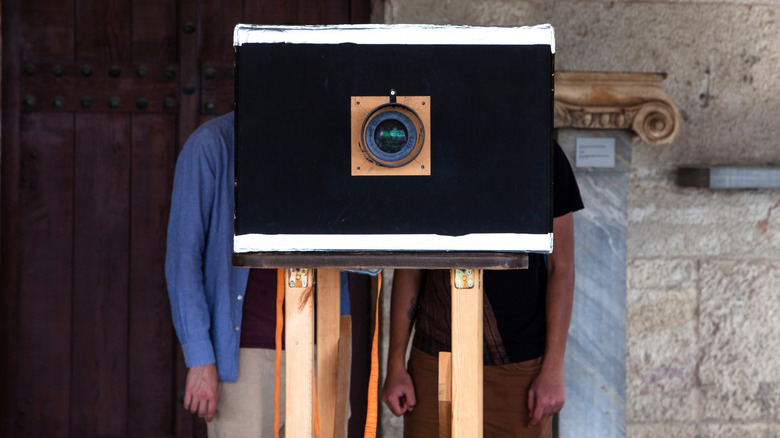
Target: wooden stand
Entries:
(333, 334)
(467, 365)
(334, 354)
(299, 345)
(460, 374)
(445, 394)
(328, 311)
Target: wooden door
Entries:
(98, 97)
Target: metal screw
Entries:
(29, 101)
(292, 283)
(188, 89)
(210, 73)
(169, 103)
(114, 102)
(142, 71)
(114, 71)
(189, 27)
(86, 71)
(86, 102)
(141, 103)
(58, 70)
(210, 106)
(471, 283)
(457, 284)
(30, 69)
(58, 102)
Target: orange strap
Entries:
(278, 340)
(373, 378)
(316, 411)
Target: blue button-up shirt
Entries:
(204, 288)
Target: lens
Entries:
(391, 136)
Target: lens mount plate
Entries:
(390, 138)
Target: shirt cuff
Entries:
(198, 353)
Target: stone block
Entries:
(662, 338)
(667, 407)
(666, 221)
(759, 430)
(703, 430)
(666, 313)
(661, 375)
(657, 430)
(740, 340)
(655, 280)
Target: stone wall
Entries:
(703, 266)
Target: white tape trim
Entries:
(498, 242)
(420, 34)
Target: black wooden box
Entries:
(488, 97)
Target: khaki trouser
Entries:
(246, 406)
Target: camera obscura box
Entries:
(473, 104)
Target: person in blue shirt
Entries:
(207, 293)
(224, 316)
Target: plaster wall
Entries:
(703, 266)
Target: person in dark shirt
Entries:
(526, 317)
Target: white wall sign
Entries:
(595, 152)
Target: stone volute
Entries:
(630, 101)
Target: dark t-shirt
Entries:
(514, 301)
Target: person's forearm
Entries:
(559, 305)
(560, 293)
(403, 305)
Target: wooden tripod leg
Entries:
(343, 378)
(299, 346)
(467, 365)
(328, 313)
(445, 394)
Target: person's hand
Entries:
(545, 396)
(201, 394)
(398, 392)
